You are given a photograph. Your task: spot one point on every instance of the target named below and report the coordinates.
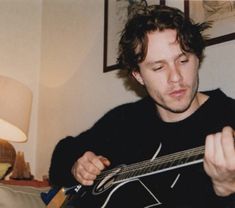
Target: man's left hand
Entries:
(219, 161)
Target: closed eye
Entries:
(183, 58)
(157, 68)
(184, 61)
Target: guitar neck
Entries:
(159, 164)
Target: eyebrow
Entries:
(150, 63)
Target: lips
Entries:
(178, 93)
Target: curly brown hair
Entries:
(134, 42)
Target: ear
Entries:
(136, 74)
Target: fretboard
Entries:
(157, 165)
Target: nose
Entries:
(174, 74)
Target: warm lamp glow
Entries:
(15, 109)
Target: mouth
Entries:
(178, 93)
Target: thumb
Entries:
(105, 161)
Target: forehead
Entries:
(168, 35)
(162, 45)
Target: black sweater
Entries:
(133, 132)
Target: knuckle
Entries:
(79, 169)
(220, 165)
(208, 156)
(78, 178)
(218, 135)
(227, 129)
(95, 159)
(97, 164)
(231, 167)
(90, 168)
(86, 175)
(209, 136)
(88, 154)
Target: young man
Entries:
(163, 134)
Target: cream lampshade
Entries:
(15, 109)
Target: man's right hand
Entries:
(87, 167)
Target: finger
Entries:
(81, 175)
(228, 144)
(91, 163)
(85, 174)
(219, 159)
(84, 181)
(84, 166)
(209, 155)
(98, 161)
(209, 148)
(105, 161)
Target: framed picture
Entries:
(115, 15)
(220, 13)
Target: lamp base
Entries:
(7, 158)
(21, 169)
(7, 152)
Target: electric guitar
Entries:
(110, 181)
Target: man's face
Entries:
(169, 74)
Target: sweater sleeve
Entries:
(97, 139)
(62, 161)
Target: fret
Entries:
(160, 164)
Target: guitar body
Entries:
(120, 186)
(118, 195)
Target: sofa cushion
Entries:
(13, 196)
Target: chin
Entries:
(176, 108)
(181, 108)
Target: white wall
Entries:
(20, 38)
(218, 68)
(74, 91)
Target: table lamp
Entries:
(15, 109)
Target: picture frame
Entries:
(115, 16)
(220, 13)
(116, 12)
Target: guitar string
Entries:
(163, 159)
(150, 167)
(185, 154)
(173, 159)
(159, 161)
